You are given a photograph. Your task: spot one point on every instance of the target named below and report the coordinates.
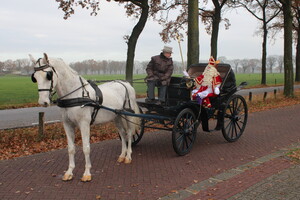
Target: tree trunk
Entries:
(264, 55)
(138, 28)
(215, 33)
(288, 55)
(297, 78)
(193, 33)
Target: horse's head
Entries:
(45, 76)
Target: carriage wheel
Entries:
(184, 131)
(235, 118)
(139, 132)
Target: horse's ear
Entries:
(46, 58)
(32, 59)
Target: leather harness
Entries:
(87, 101)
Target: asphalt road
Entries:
(24, 117)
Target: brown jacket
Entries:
(160, 68)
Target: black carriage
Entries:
(182, 116)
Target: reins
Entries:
(82, 86)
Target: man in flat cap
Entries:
(159, 71)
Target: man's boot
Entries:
(162, 94)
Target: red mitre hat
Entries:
(212, 61)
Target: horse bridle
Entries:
(49, 76)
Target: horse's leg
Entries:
(69, 129)
(85, 134)
(130, 128)
(121, 130)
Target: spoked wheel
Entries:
(139, 132)
(235, 118)
(184, 131)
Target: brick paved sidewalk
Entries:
(285, 185)
(156, 170)
(270, 177)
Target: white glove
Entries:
(186, 74)
(194, 91)
(203, 94)
(217, 90)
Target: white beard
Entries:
(209, 73)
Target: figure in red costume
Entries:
(208, 83)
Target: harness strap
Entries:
(127, 100)
(67, 103)
(84, 89)
(99, 96)
(99, 100)
(82, 86)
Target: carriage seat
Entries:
(226, 73)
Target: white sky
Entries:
(37, 26)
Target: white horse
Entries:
(54, 74)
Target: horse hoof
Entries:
(86, 178)
(121, 159)
(67, 177)
(127, 161)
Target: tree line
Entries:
(92, 67)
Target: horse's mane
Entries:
(60, 65)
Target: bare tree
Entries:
(134, 8)
(212, 18)
(188, 16)
(24, 65)
(144, 65)
(265, 11)
(104, 66)
(245, 63)
(271, 62)
(10, 66)
(236, 63)
(279, 60)
(254, 64)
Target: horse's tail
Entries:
(137, 120)
(134, 106)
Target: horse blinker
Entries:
(49, 75)
(32, 78)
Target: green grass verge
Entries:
(19, 90)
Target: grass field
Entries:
(19, 90)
